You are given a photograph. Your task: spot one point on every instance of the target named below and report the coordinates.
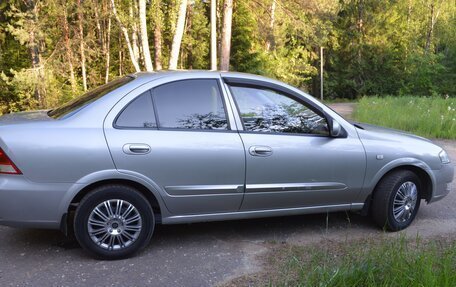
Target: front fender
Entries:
(370, 182)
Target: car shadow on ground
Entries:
(276, 229)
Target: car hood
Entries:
(386, 133)
(24, 117)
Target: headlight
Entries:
(444, 158)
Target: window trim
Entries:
(228, 129)
(114, 124)
(257, 84)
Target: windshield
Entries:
(78, 103)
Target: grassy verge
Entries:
(390, 262)
(429, 117)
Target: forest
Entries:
(54, 50)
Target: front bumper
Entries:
(29, 204)
(442, 185)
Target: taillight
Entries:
(6, 165)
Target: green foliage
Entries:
(196, 50)
(371, 47)
(433, 117)
(385, 262)
(245, 55)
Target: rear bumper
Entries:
(443, 178)
(29, 204)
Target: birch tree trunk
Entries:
(213, 34)
(270, 38)
(81, 46)
(432, 21)
(35, 55)
(120, 55)
(108, 49)
(126, 36)
(188, 27)
(177, 40)
(144, 36)
(226, 35)
(134, 31)
(69, 52)
(98, 24)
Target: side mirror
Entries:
(336, 129)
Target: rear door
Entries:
(178, 134)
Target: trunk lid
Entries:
(25, 117)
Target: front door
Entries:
(178, 135)
(291, 160)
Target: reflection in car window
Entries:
(138, 114)
(264, 110)
(190, 104)
(78, 103)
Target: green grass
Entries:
(393, 262)
(429, 117)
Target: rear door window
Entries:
(190, 104)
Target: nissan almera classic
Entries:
(181, 147)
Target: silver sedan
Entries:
(180, 147)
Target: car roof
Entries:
(168, 73)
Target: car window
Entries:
(78, 103)
(190, 104)
(264, 110)
(138, 114)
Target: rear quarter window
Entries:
(139, 113)
(75, 105)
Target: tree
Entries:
(68, 48)
(213, 34)
(270, 38)
(52, 50)
(81, 45)
(144, 36)
(226, 35)
(244, 53)
(157, 16)
(124, 30)
(195, 45)
(178, 34)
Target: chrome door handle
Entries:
(136, 149)
(260, 151)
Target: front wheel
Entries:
(396, 200)
(114, 222)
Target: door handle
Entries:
(260, 150)
(136, 149)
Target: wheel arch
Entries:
(424, 176)
(66, 221)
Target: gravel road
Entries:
(204, 254)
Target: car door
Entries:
(291, 160)
(179, 136)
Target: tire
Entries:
(389, 211)
(118, 232)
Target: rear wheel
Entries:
(396, 200)
(114, 222)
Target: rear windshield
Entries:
(78, 103)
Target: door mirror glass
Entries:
(336, 129)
